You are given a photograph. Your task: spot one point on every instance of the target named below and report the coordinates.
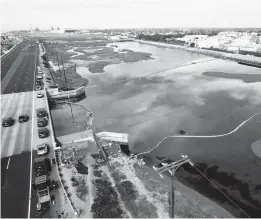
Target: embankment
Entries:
(250, 60)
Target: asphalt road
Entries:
(8, 59)
(15, 182)
(17, 138)
(17, 99)
(23, 78)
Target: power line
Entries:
(221, 191)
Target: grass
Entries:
(73, 79)
(99, 55)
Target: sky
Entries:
(89, 14)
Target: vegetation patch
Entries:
(81, 168)
(97, 173)
(118, 176)
(81, 192)
(142, 208)
(106, 203)
(127, 191)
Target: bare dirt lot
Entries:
(64, 123)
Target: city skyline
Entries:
(101, 14)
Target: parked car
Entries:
(42, 122)
(39, 76)
(23, 118)
(7, 121)
(39, 82)
(42, 149)
(39, 95)
(41, 112)
(38, 87)
(43, 132)
(53, 86)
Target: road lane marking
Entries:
(8, 163)
(31, 164)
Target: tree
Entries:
(192, 44)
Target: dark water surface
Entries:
(201, 105)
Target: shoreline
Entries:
(216, 54)
(187, 192)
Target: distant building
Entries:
(64, 30)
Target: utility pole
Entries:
(64, 74)
(172, 167)
(58, 64)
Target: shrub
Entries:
(106, 203)
(118, 176)
(82, 169)
(81, 192)
(97, 173)
(75, 183)
(128, 191)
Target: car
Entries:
(41, 112)
(39, 82)
(23, 118)
(42, 122)
(53, 86)
(42, 149)
(43, 132)
(39, 77)
(40, 95)
(7, 121)
(38, 87)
